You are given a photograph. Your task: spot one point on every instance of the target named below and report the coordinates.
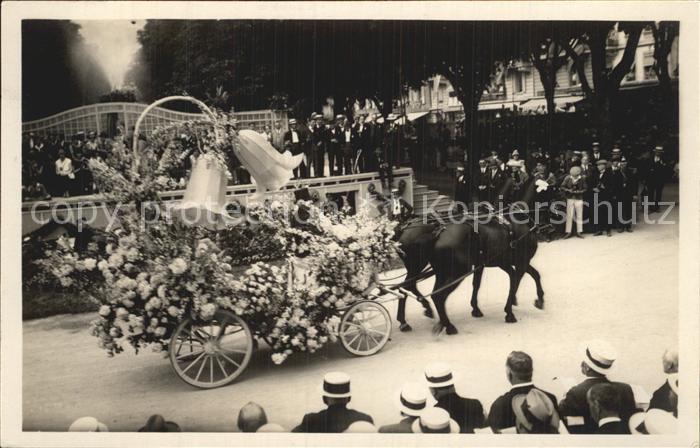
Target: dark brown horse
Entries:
(455, 250)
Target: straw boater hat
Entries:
(596, 145)
(599, 355)
(413, 399)
(435, 421)
(336, 385)
(617, 151)
(439, 375)
(535, 408)
(653, 422)
(361, 427)
(602, 162)
(88, 424)
(515, 163)
(271, 427)
(659, 149)
(292, 121)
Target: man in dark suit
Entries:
(334, 138)
(362, 133)
(598, 359)
(348, 142)
(657, 175)
(596, 155)
(318, 139)
(294, 143)
(467, 412)
(496, 179)
(666, 396)
(482, 193)
(375, 139)
(603, 196)
(519, 373)
(412, 401)
(336, 417)
(604, 404)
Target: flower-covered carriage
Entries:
(204, 288)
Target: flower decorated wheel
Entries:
(213, 353)
(365, 328)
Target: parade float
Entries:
(203, 285)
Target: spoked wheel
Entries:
(365, 328)
(211, 354)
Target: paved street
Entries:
(67, 376)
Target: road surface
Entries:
(622, 288)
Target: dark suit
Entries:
(404, 426)
(333, 148)
(318, 138)
(656, 178)
(576, 404)
(618, 427)
(335, 418)
(496, 181)
(467, 412)
(501, 414)
(605, 185)
(374, 139)
(348, 140)
(482, 190)
(618, 184)
(362, 146)
(661, 399)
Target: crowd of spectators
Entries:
(597, 405)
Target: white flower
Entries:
(122, 313)
(154, 303)
(127, 303)
(173, 311)
(90, 264)
(66, 282)
(116, 260)
(161, 291)
(279, 358)
(102, 265)
(208, 310)
(104, 310)
(178, 266)
(160, 331)
(114, 332)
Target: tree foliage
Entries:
(58, 70)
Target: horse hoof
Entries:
(428, 313)
(451, 329)
(437, 328)
(515, 302)
(511, 319)
(477, 313)
(539, 304)
(404, 327)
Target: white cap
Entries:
(361, 427)
(599, 355)
(87, 424)
(439, 375)
(271, 427)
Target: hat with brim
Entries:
(336, 385)
(271, 427)
(616, 151)
(361, 427)
(156, 423)
(292, 121)
(435, 421)
(653, 422)
(439, 375)
(596, 144)
(534, 408)
(87, 424)
(515, 163)
(599, 355)
(602, 162)
(413, 398)
(659, 149)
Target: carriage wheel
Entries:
(365, 328)
(211, 354)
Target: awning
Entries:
(496, 105)
(558, 101)
(413, 116)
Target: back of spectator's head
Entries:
(271, 427)
(670, 361)
(251, 417)
(519, 367)
(156, 423)
(535, 413)
(603, 401)
(88, 424)
(361, 427)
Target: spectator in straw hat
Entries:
(535, 413)
(412, 401)
(653, 422)
(156, 423)
(519, 373)
(666, 396)
(435, 421)
(88, 424)
(598, 358)
(467, 412)
(604, 406)
(336, 417)
(271, 427)
(251, 417)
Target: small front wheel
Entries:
(213, 353)
(365, 328)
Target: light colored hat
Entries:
(336, 385)
(602, 162)
(515, 163)
(413, 399)
(439, 375)
(653, 422)
(536, 405)
(271, 427)
(435, 420)
(339, 117)
(659, 149)
(292, 121)
(88, 424)
(361, 427)
(616, 151)
(596, 144)
(599, 355)
(391, 117)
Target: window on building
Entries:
(649, 72)
(631, 75)
(519, 82)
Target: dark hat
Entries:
(156, 423)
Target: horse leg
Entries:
(427, 311)
(440, 300)
(534, 273)
(401, 315)
(515, 275)
(476, 284)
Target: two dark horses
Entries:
(454, 249)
